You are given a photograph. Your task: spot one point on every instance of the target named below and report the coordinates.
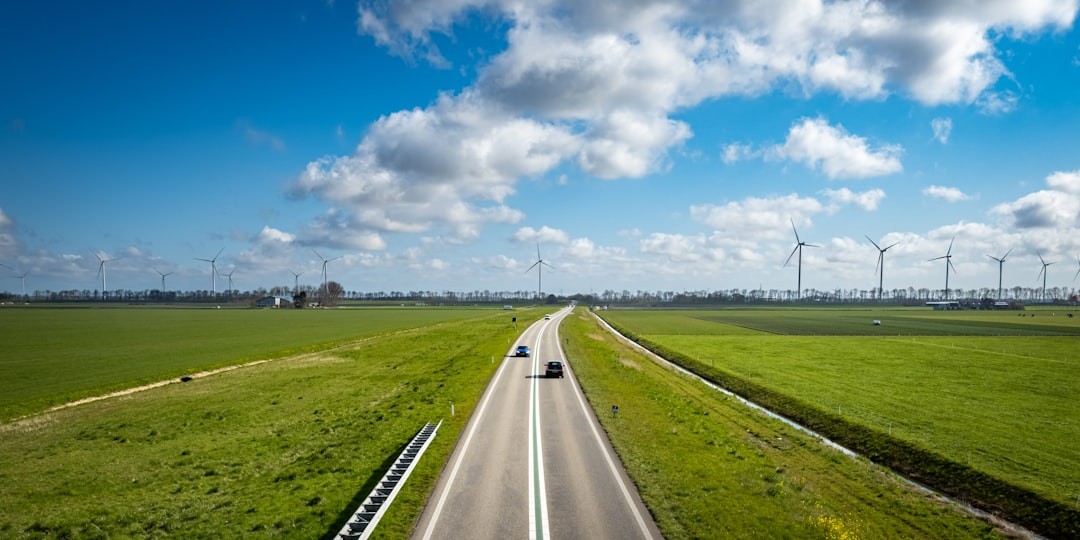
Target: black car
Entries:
(522, 350)
(553, 369)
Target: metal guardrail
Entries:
(368, 514)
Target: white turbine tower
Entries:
(324, 291)
(1043, 273)
(213, 270)
(1001, 264)
(948, 263)
(163, 279)
(539, 265)
(101, 272)
(23, 278)
(881, 263)
(799, 244)
(296, 282)
(229, 276)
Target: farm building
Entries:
(273, 302)
(951, 304)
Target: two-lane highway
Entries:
(533, 462)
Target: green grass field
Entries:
(989, 390)
(281, 449)
(287, 448)
(709, 467)
(56, 355)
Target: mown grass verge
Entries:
(1018, 504)
(709, 467)
(282, 449)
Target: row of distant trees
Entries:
(334, 294)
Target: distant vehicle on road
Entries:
(547, 317)
(522, 350)
(553, 369)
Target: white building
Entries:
(273, 302)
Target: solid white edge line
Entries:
(532, 454)
(461, 456)
(536, 449)
(607, 457)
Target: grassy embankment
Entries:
(986, 418)
(56, 355)
(285, 448)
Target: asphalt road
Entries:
(533, 462)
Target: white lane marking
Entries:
(461, 456)
(537, 486)
(607, 457)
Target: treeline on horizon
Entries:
(335, 294)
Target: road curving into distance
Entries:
(533, 461)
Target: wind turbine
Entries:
(163, 279)
(798, 247)
(1043, 272)
(322, 301)
(23, 278)
(101, 272)
(539, 265)
(229, 275)
(213, 270)
(948, 262)
(1001, 263)
(881, 263)
(296, 282)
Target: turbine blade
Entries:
(317, 254)
(531, 267)
(1040, 257)
(878, 263)
(949, 252)
(890, 246)
(873, 242)
(796, 231)
(811, 245)
(797, 246)
(1006, 254)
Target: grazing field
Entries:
(709, 467)
(56, 355)
(285, 448)
(989, 391)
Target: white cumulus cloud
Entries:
(840, 155)
(543, 234)
(867, 200)
(947, 194)
(600, 86)
(1055, 208)
(942, 128)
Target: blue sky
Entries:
(644, 146)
